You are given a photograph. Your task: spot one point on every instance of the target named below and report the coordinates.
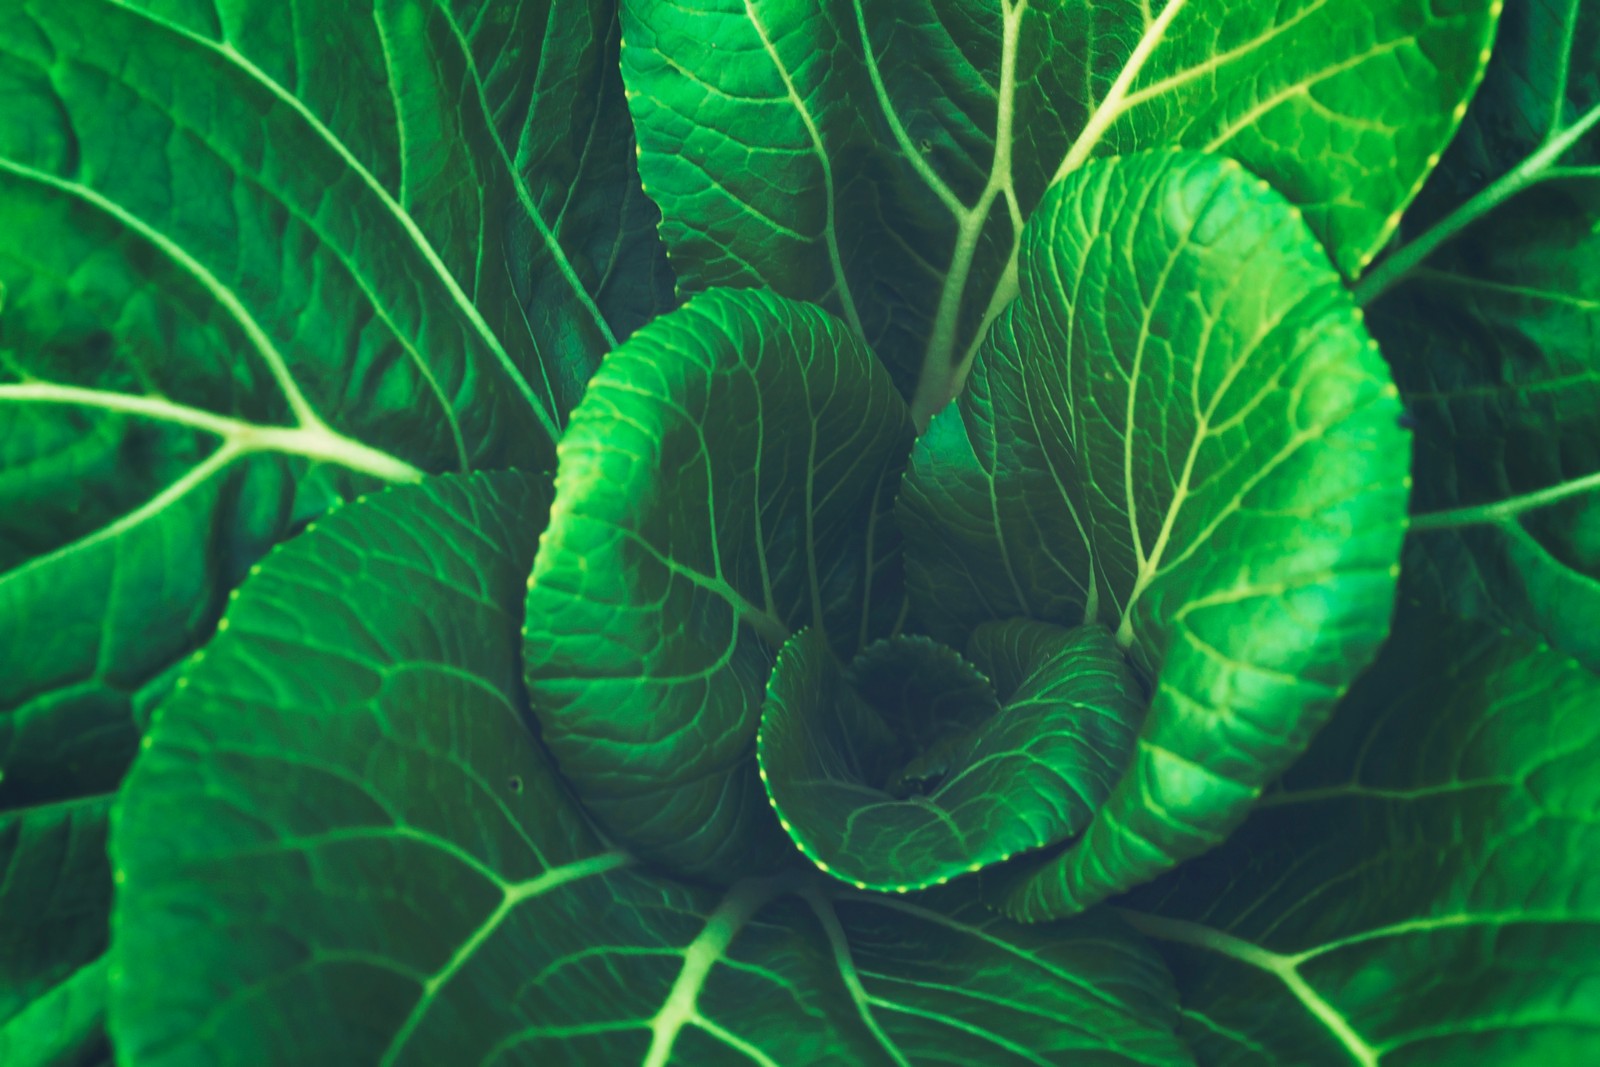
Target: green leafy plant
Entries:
(963, 531)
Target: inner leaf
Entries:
(904, 770)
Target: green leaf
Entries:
(1491, 316)
(1422, 888)
(62, 1028)
(346, 823)
(880, 158)
(55, 897)
(900, 794)
(253, 264)
(726, 480)
(1182, 430)
(551, 80)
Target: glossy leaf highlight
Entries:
(726, 481)
(1180, 429)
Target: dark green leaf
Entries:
(904, 794)
(726, 480)
(1422, 889)
(880, 158)
(551, 81)
(64, 1027)
(1493, 328)
(1180, 429)
(255, 259)
(344, 822)
(55, 896)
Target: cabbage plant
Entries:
(795, 532)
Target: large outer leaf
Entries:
(873, 803)
(1182, 429)
(254, 256)
(880, 157)
(345, 822)
(1495, 340)
(726, 480)
(246, 249)
(1424, 889)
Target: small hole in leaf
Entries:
(515, 783)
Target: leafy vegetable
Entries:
(1180, 429)
(958, 626)
(903, 793)
(725, 481)
(882, 160)
(1420, 889)
(1495, 308)
(354, 801)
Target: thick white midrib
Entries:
(315, 441)
(514, 894)
(830, 236)
(430, 255)
(1117, 100)
(1284, 968)
(940, 377)
(1221, 59)
(276, 365)
(681, 1007)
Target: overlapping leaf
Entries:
(934, 779)
(1490, 315)
(1423, 887)
(236, 245)
(881, 158)
(346, 822)
(254, 258)
(1180, 429)
(727, 480)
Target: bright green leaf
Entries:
(345, 821)
(880, 158)
(727, 480)
(64, 1027)
(1423, 888)
(1180, 429)
(896, 794)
